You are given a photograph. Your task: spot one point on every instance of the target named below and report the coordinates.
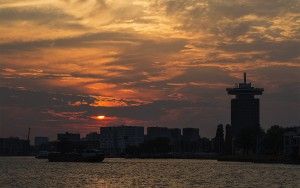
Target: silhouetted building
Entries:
(158, 132)
(39, 140)
(68, 137)
(170, 137)
(291, 143)
(175, 139)
(205, 145)
(191, 140)
(94, 136)
(108, 139)
(14, 147)
(117, 139)
(245, 115)
(175, 135)
(190, 134)
(219, 140)
(228, 140)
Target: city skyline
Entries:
(148, 63)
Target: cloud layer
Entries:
(158, 62)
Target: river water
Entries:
(31, 172)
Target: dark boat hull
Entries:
(58, 157)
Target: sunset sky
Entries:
(65, 63)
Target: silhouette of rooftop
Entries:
(244, 89)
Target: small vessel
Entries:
(42, 155)
(91, 156)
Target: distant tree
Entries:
(219, 139)
(205, 145)
(228, 139)
(273, 140)
(247, 139)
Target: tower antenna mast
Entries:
(28, 134)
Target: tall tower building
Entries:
(245, 112)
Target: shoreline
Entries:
(242, 159)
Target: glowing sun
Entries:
(100, 117)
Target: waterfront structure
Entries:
(116, 139)
(245, 119)
(219, 140)
(94, 136)
(228, 140)
(14, 146)
(190, 134)
(291, 143)
(158, 132)
(107, 140)
(40, 140)
(175, 134)
(68, 137)
(190, 140)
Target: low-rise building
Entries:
(14, 147)
(291, 143)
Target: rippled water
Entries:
(31, 172)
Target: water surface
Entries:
(31, 172)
